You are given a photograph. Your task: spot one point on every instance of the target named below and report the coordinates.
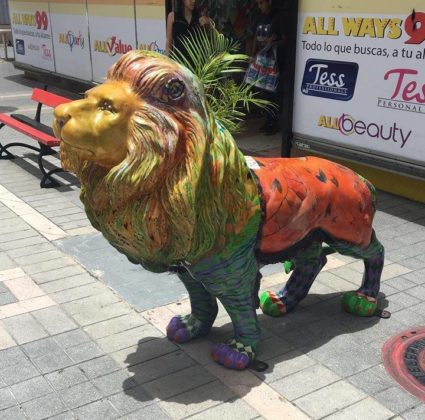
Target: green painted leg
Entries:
(204, 311)
(364, 302)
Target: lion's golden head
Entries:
(160, 177)
(147, 118)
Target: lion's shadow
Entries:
(318, 330)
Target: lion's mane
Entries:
(183, 187)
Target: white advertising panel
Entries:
(71, 38)
(32, 37)
(112, 33)
(151, 25)
(360, 75)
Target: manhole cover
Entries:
(404, 359)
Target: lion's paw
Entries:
(359, 304)
(234, 355)
(271, 304)
(183, 328)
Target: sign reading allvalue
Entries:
(361, 75)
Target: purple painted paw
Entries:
(229, 357)
(177, 330)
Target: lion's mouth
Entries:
(78, 148)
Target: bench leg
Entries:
(47, 181)
(5, 154)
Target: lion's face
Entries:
(96, 128)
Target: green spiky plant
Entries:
(214, 59)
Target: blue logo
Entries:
(20, 46)
(330, 79)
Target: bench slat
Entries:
(48, 98)
(29, 131)
(34, 124)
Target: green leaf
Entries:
(214, 59)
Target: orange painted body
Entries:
(301, 195)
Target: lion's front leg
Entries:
(233, 282)
(204, 311)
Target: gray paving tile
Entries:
(179, 382)
(64, 416)
(197, 400)
(6, 263)
(54, 320)
(31, 250)
(304, 382)
(115, 325)
(114, 382)
(330, 399)
(80, 394)
(72, 338)
(84, 351)
(231, 410)
(396, 399)
(12, 356)
(6, 298)
(151, 411)
(43, 407)
(372, 380)
(31, 389)
(41, 347)
(130, 400)
(417, 291)
(53, 361)
(368, 408)
(160, 366)
(98, 367)
(45, 266)
(285, 365)
(6, 399)
(65, 378)
(99, 410)
(68, 283)
(24, 328)
(400, 283)
(18, 372)
(57, 274)
(417, 413)
(13, 413)
(146, 350)
(22, 243)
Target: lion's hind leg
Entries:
(204, 311)
(308, 262)
(363, 302)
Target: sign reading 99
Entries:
(415, 28)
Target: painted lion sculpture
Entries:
(167, 186)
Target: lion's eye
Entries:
(172, 90)
(106, 106)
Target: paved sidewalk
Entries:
(73, 348)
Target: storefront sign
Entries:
(150, 23)
(360, 77)
(112, 33)
(31, 29)
(71, 38)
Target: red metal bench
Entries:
(35, 129)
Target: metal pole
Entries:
(288, 80)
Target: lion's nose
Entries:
(62, 115)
